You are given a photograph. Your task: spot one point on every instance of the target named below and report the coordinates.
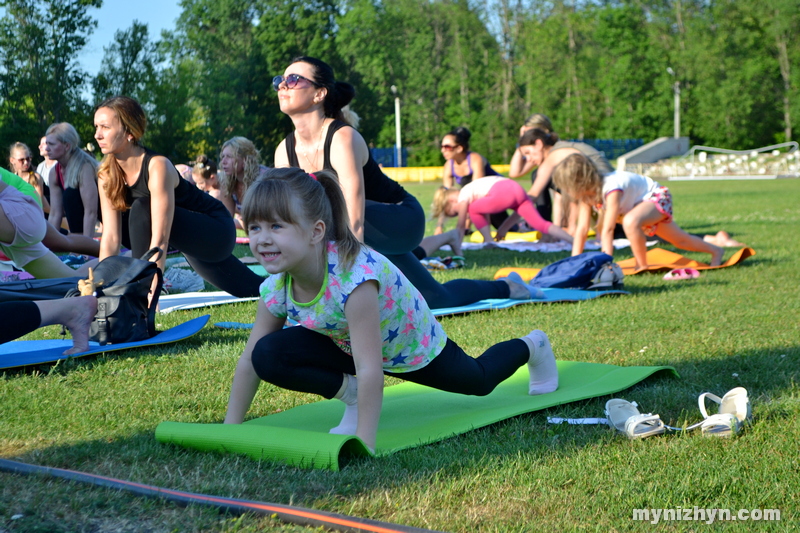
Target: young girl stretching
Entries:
(486, 196)
(641, 205)
(358, 314)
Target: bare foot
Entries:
(716, 256)
(78, 320)
(723, 239)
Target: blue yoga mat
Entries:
(551, 296)
(22, 353)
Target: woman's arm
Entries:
(245, 380)
(161, 184)
(363, 317)
(447, 176)
(545, 170)
(584, 219)
(610, 215)
(88, 190)
(463, 221)
(38, 184)
(281, 157)
(349, 154)
(519, 165)
(56, 201)
(112, 223)
(478, 166)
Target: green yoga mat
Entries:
(412, 415)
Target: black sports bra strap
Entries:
(290, 151)
(332, 128)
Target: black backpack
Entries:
(123, 312)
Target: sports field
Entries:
(732, 327)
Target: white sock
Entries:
(542, 363)
(349, 396)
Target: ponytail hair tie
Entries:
(313, 177)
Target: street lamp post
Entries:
(676, 89)
(397, 143)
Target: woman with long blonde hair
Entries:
(240, 165)
(73, 189)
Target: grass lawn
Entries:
(732, 327)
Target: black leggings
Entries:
(395, 230)
(303, 360)
(205, 239)
(19, 318)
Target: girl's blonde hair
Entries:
(133, 120)
(244, 149)
(290, 195)
(67, 134)
(538, 120)
(578, 178)
(439, 204)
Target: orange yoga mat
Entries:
(658, 260)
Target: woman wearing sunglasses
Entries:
(382, 214)
(462, 166)
(19, 155)
(240, 164)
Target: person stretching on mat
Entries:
(492, 194)
(463, 167)
(539, 147)
(24, 230)
(75, 314)
(142, 192)
(381, 213)
(641, 205)
(359, 316)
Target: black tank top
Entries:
(187, 195)
(378, 187)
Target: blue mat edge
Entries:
(54, 347)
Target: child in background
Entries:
(641, 205)
(359, 316)
(492, 194)
(204, 175)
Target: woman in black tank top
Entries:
(142, 192)
(382, 214)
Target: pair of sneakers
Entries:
(733, 412)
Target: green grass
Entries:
(731, 327)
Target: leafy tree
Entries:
(128, 64)
(40, 79)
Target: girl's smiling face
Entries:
(282, 247)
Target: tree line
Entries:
(599, 69)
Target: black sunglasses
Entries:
(291, 81)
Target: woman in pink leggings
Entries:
(487, 196)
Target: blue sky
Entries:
(119, 15)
